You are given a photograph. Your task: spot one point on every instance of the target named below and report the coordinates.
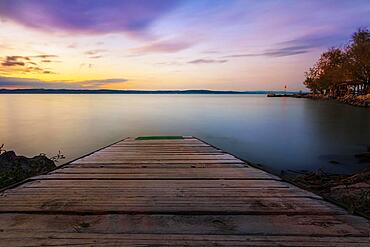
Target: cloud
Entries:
(48, 72)
(93, 16)
(26, 64)
(45, 56)
(10, 61)
(205, 61)
(100, 83)
(174, 63)
(95, 52)
(14, 82)
(162, 46)
(317, 40)
(211, 52)
(277, 52)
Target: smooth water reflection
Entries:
(280, 133)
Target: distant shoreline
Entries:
(107, 91)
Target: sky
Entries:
(170, 44)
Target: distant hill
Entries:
(107, 91)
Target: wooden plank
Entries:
(58, 194)
(161, 148)
(164, 145)
(208, 184)
(157, 165)
(179, 173)
(156, 152)
(156, 200)
(122, 176)
(158, 148)
(278, 225)
(134, 240)
(159, 157)
(158, 161)
(170, 193)
(161, 142)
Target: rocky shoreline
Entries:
(355, 100)
(14, 168)
(349, 191)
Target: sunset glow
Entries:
(169, 44)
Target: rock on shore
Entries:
(352, 191)
(355, 100)
(362, 100)
(15, 168)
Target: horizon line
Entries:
(137, 91)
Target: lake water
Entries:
(279, 133)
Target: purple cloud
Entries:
(277, 52)
(10, 61)
(205, 61)
(26, 64)
(45, 56)
(162, 46)
(100, 83)
(319, 39)
(15, 82)
(93, 16)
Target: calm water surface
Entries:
(279, 133)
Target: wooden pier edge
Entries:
(260, 167)
(170, 192)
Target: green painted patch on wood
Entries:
(159, 138)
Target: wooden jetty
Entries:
(170, 192)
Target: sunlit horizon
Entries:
(169, 45)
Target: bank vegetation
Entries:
(343, 72)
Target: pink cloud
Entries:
(162, 46)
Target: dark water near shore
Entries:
(280, 133)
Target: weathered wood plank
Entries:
(157, 165)
(232, 202)
(126, 193)
(170, 193)
(158, 161)
(134, 240)
(158, 157)
(179, 184)
(305, 225)
(139, 173)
